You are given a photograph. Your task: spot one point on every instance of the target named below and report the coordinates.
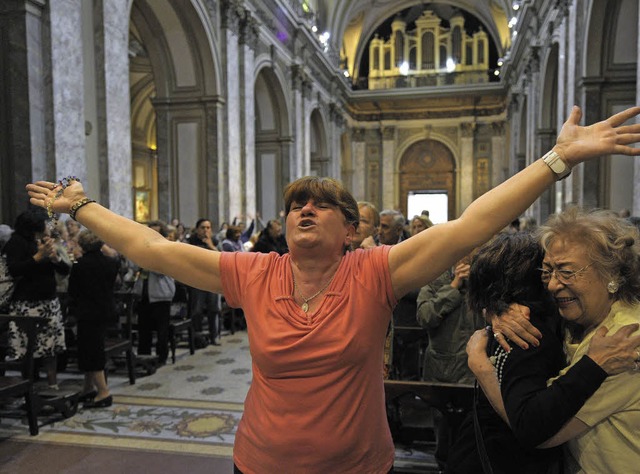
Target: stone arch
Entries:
(427, 165)
(273, 144)
(174, 85)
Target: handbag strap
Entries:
(482, 451)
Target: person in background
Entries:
(154, 308)
(271, 239)
(444, 313)
(391, 230)
(92, 303)
(317, 316)
(204, 304)
(367, 231)
(419, 223)
(232, 241)
(33, 261)
(172, 233)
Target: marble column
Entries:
(114, 102)
(232, 13)
(248, 45)
(358, 149)
(465, 167)
(297, 128)
(305, 136)
(25, 123)
(389, 169)
(533, 98)
(336, 122)
(67, 82)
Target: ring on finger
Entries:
(496, 334)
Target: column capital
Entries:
(232, 13)
(498, 128)
(249, 33)
(357, 134)
(388, 133)
(298, 76)
(467, 129)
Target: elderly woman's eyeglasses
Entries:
(566, 277)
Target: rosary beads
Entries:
(64, 183)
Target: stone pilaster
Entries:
(248, 42)
(359, 164)
(465, 170)
(389, 171)
(499, 159)
(297, 163)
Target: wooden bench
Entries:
(180, 322)
(119, 340)
(20, 385)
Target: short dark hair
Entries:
(327, 190)
(89, 241)
(162, 227)
(30, 221)
(507, 270)
(201, 220)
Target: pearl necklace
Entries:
(305, 305)
(498, 360)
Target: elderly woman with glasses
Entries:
(591, 269)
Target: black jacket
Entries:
(91, 287)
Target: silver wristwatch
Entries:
(557, 165)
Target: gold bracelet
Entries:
(77, 205)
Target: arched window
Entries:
(443, 56)
(376, 59)
(387, 59)
(481, 51)
(428, 52)
(469, 54)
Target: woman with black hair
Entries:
(91, 286)
(33, 261)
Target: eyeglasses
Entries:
(566, 277)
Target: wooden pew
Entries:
(453, 401)
(21, 385)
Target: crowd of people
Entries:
(322, 298)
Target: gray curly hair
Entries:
(611, 242)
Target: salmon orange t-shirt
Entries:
(316, 402)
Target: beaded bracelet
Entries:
(64, 184)
(82, 202)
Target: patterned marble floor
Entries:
(191, 407)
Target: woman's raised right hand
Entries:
(45, 193)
